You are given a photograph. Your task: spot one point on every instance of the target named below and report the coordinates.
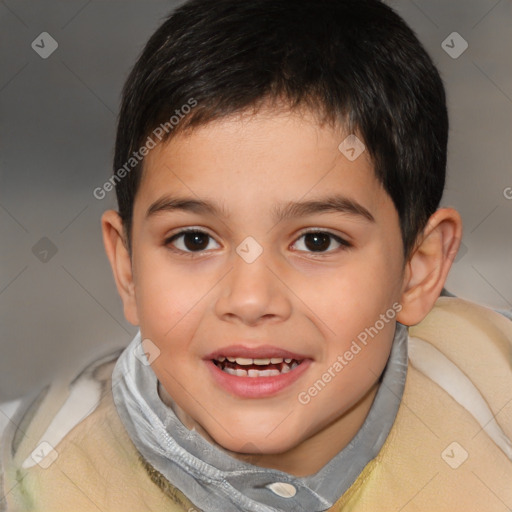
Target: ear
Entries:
(428, 267)
(120, 261)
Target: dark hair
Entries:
(353, 62)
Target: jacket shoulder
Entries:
(466, 349)
(47, 415)
(67, 449)
(476, 338)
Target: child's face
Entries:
(308, 298)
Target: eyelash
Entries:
(343, 243)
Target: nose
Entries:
(253, 293)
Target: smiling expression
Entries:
(259, 253)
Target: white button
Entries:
(283, 489)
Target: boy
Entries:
(271, 371)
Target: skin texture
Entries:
(292, 297)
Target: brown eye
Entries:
(317, 241)
(321, 242)
(195, 241)
(190, 241)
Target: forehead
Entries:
(258, 162)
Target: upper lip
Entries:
(259, 352)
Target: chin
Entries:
(261, 443)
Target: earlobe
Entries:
(120, 261)
(428, 267)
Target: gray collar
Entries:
(215, 481)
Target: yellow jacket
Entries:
(444, 453)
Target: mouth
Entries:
(258, 372)
(257, 367)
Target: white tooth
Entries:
(243, 360)
(221, 359)
(294, 365)
(241, 373)
(231, 359)
(262, 373)
(285, 369)
(287, 360)
(231, 371)
(276, 360)
(262, 361)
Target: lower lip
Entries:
(256, 387)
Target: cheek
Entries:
(379, 273)
(356, 292)
(167, 300)
(354, 366)
(351, 306)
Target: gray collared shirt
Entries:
(215, 481)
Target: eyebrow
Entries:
(330, 204)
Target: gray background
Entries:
(57, 134)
